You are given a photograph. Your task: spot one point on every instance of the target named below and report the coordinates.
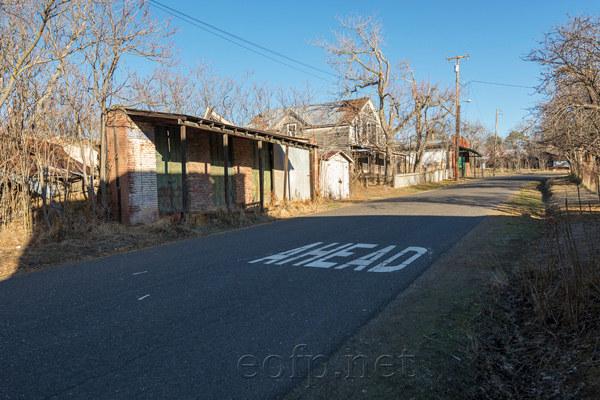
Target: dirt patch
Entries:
(426, 333)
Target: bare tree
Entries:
(357, 56)
(120, 28)
(431, 106)
(569, 55)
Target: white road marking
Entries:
(137, 273)
(345, 252)
(318, 253)
(309, 256)
(285, 254)
(367, 260)
(143, 297)
(385, 267)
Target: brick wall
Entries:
(136, 161)
(242, 170)
(116, 125)
(141, 154)
(198, 170)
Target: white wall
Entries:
(403, 180)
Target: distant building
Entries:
(351, 126)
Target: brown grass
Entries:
(539, 336)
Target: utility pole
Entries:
(495, 140)
(457, 135)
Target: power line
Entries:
(195, 22)
(502, 84)
(471, 89)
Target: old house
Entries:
(162, 163)
(351, 126)
(439, 155)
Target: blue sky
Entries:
(495, 34)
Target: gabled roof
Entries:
(315, 115)
(212, 115)
(330, 154)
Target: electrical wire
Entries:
(197, 23)
(502, 84)
(472, 90)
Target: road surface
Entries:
(242, 314)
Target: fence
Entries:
(403, 180)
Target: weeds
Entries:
(544, 344)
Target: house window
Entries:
(291, 130)
(367, 135)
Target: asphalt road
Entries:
(242, 314)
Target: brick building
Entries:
(162, 163)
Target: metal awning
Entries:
(477, 154)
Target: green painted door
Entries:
(267, 157)
(168, 169)
(217, 170)
(461, 164)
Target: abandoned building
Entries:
(438, 155)
(162, 163)
(351, 126)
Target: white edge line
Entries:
(143, 297)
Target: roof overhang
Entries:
(218, 127)
(475, 152)
(329, 155)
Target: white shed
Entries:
(334, 175)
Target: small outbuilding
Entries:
(334, 174)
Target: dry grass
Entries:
(539, 336)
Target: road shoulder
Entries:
(419, 345)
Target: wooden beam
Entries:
(248, 135)
(261, 176)
(285, 172)
(312, 159)
(226, 171)
(184, 186)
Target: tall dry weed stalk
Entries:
(561, 277)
